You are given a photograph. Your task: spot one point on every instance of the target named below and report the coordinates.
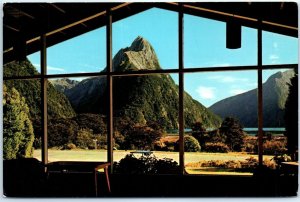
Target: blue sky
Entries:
(205, 46)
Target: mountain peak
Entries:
(140, 44)
(139, 56)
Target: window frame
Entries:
(180, 71)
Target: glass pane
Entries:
(276, 89)
(205, 44)
(149, 40)
(85, 53)
(279, 49)
(218, 109)
(77, 119)
(146, 124)
(21, 119)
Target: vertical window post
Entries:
(259, 94)
(44, 112)
(181, 89)
(109, 88)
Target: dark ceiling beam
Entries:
(84, 25)
(89, 21)
(120, 6)
(244, 20)
(11, 28)
(281, 5)
(84, 17)
(57, 8)
(248, 21)
(21, 12)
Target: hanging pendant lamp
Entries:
(233, 35)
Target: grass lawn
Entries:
(215, 171)
(101, 155)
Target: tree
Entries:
(141, 137)
(199, 132)
(84, 138)
(191, 144)
(291, 117)
(18, 133)
(62, 131)
(233, 132)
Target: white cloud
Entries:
(275, 45)
(228, 79)
(50, 68)
(88, 66)
(36, 65)
(78, 78)
(206, 92)
(273, 58)
(237, 91)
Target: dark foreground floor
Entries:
(26, 179)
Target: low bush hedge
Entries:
(216, 147)
(146, 165)
(274, 147)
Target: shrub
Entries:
(216, 147)
(274, 147)
(248, 147)
(166, 166)
(191, 144)
(248, 165)
(270, 164)
(233, 164)
(268, 136)
(145, 165)
(131, 165)
(84, 138)
(170, 146)
(69, 146)
(281, 158)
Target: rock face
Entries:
(64, 84)
(140, 55)
(244, 106)
(139, 98)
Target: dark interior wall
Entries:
(26, 178)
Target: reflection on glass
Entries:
(223, 106)
(205, 44)
(76, 119)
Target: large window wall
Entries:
(182, 53)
